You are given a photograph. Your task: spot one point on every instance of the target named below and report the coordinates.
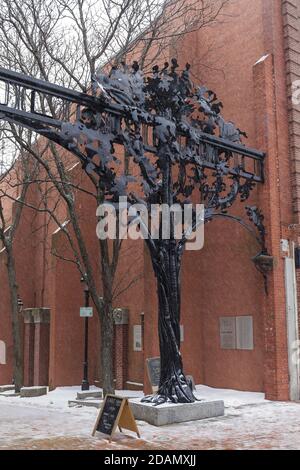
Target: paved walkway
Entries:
(27, 427)
(259, 426)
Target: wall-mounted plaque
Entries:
(2, 353)
(137, 338)
(181, 333)
(86, 312)
(237, 333)
(244, 333)
(228, 332)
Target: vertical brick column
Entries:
(276, 374)
(291, 27)
(41, 345)
(121, 319)
(28, 347)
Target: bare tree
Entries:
(52, 188)
(14, 184)
(67, 42)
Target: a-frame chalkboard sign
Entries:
(115, 412)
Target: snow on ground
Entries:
(250, 422)
(260, 426)
(230, 397)
(59, 397)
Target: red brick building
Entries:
(234, 334)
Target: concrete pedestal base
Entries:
(170, 413)
(6, 388)
(88, 394)
(90, 402)
(9, 394)
(33, 391)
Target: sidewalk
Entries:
(250, 422)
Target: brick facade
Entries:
(255, 58)
(291, 25)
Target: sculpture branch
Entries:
(181, 150)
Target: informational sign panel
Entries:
(153, 368)
(181, 333)
(228, 332)
(237, 333)
(115, 412)
(137, 338)
(2, 353)
(191, 382)
(244, 333)
(86, 312)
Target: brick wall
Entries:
(220, 280)
(291, 22)
(291, 26)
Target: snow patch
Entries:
(262, 59)
(59, 398)
(230, 397)
(74, 166)
(63, 225)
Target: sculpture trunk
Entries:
(173, 384)
(166, 264)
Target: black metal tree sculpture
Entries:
(174, 134)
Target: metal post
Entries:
(85, 382)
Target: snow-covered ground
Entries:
(59, 397)
(250, 422)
